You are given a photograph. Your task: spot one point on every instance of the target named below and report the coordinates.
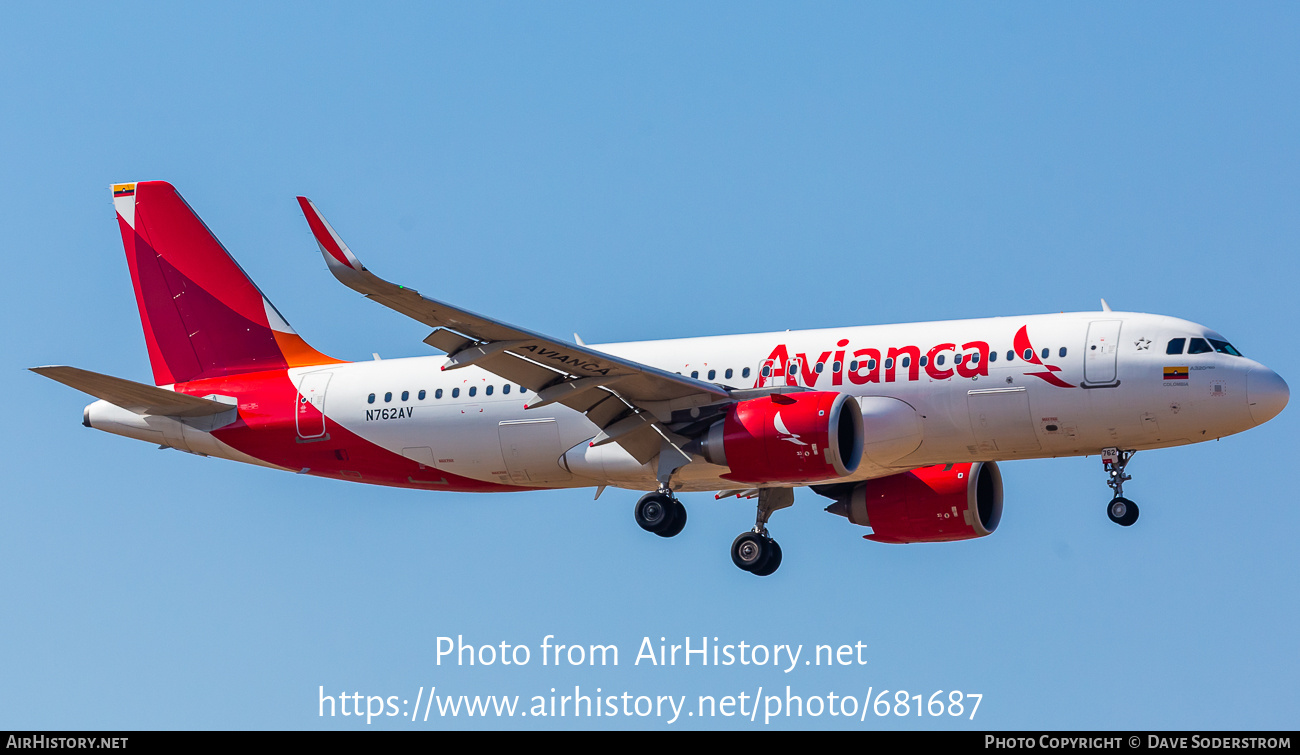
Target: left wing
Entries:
(630, 402)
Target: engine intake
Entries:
(787, 437)
(927, 505)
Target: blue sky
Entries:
(648, 171)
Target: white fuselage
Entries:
(1106, 381)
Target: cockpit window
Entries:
(1176, 346)
(1223, 347)
(1199, 346)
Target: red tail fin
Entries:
(202, 315)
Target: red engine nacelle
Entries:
(928, 505)
(787, 437)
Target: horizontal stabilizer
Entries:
(132, 396)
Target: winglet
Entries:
(336, 253)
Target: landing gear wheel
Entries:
(655, 512)
(756, 553)
(773, 560)
(1122, 511)
(748, 551)
(679, 520)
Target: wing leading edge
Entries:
(630, 402)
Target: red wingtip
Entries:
(320, 230)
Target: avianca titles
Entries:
(899, 426)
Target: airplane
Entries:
(900, 426)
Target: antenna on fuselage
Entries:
(1104, 306)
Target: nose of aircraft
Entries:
(1267, 394)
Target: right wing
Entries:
(631, 403)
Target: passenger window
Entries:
(388, 397)
(406, 395)
(767, 370)
(1011, 356)
(975, 358)
(371, 399)
(792, 369)
(1062, 352)
(437, 393)
(939, 360)
(871, 364)
(993, 356)
(889, 363)
(744, 372)
(421, 395)
(820, 366)
(713, 374)
(958, 358)
(1198, 346)
(1029, 355)
(1223, 347)
(473, 389)
(925, 360)
(455, 393)
(695, 373)
(905, 362)
(488, 390)
(1175, 345)
(836, 367)
(1047, 353)
(505, 389)
(728, 373)
(853, 366)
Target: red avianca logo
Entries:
(1023, 347)
(897, 364)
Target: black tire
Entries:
(679, 521)
(654, 512)
(1122, 511)
(750, 550)
(773, 561)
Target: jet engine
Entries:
(787, 437)
(927, 505)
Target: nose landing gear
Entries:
(1121, 510)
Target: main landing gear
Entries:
(660, 513)
(755, 551)
(1121, 510)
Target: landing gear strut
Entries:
(755, 551)
(660, 513)
(1121, 510)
